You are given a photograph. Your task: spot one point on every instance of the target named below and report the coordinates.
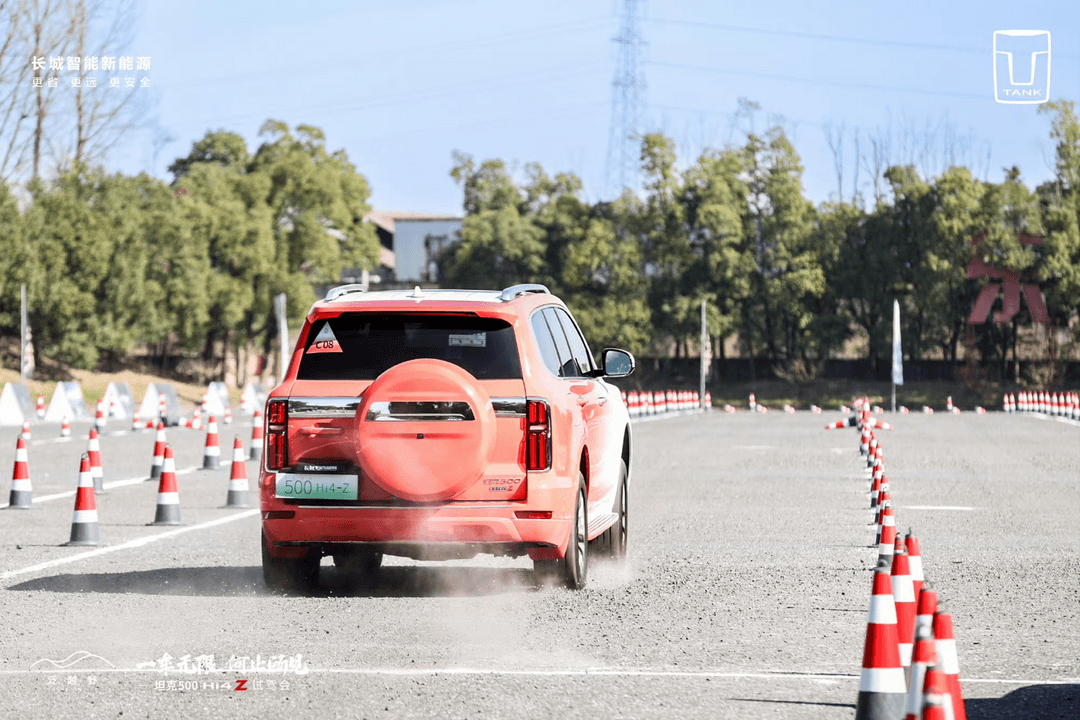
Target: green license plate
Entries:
(311, 486)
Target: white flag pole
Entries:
(897, 353)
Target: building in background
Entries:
(411, 241)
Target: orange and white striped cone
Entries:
(708, 400)
(196, 419)
(914, 561)
(228, 415)
(256, 447)
(922, 658)
(815, 409)
(882, 691)
(875, 490)
(84, 521)
(846, 422)
(881, 424)
(212, 450)
(950, 666)
(25, 434)
(925, 609)
(40, 407)
(65, 428)
(936, 701)
(163, 408)
(903, 410)
(888, 532)
(137, 424)
(904, 599)
(159, 453)
(238, 480)
(93, 449)
(99, 418)
(22, 491)
(864, 441)
(168, 497)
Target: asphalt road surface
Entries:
(745, 593)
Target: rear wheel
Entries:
(289, 573)
(574, 566)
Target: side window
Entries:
(567, 363)
(578, 347)
(548, 351)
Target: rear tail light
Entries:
(277, 444)
(538, 436)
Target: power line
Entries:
(627, 90)
(832, 38)
(817, 81)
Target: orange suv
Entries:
(439, 424)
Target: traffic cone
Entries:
(238, 480)
(212, 451)
(928, 410)
(815, 409)
(881, 684)
(922, 659)
(904, 410)
(946, 650)
(163, 408)
(228, 415)
(168, 497)
(25, 430)
(159, 453)
(136, 424)
(864, 441)
(256, 447)
(904, 598)
(40, 409)
(925, 608)
(196, 419)
(93, 449)
(845, 409)
(914, 561)
(21, 497)
(948, 403)
(888, 532)
(65, 428)
(99, 420)
(936, 701)
(753, 402)
(84, 521)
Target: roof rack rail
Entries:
(335, 293)
(518, 290)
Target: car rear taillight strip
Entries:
(277, 442)
(537, 435)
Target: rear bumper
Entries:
(446, 530)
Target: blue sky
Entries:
(400, 85)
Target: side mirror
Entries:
(617, 363)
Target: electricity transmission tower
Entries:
(627, 91)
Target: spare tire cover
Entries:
(407, 452)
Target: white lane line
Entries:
(583, 672)
(753, 447)
(107, 486)
(138, 542)
(937, 507)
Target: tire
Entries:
(572, 569)
(360, 567)
(613, 541)
(289, 573)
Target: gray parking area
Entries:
(745, 593)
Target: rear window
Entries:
(361, 346)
